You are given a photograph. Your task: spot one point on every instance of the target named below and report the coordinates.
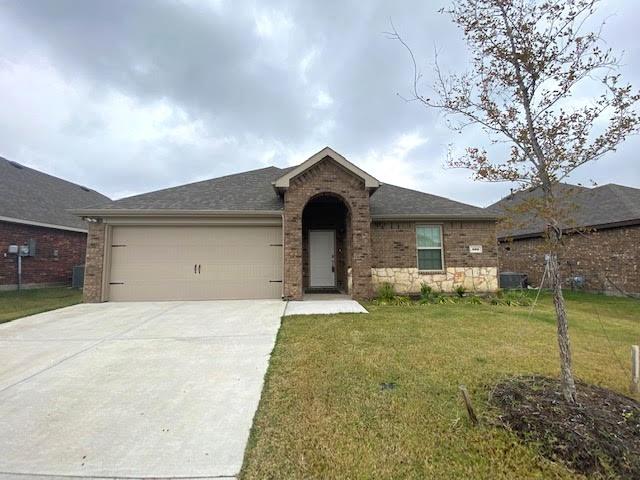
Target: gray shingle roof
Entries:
(253, 191)
(33, 196)
(604, 205)
(392, 200)
(242, 191)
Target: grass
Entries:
(14, 304)
(324, 414)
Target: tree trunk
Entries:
(566, 376)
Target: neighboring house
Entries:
(34, 209)
(324, 225)
(602, 242)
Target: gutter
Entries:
(94, 212)
(601, 226)
(42, 224)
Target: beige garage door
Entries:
(195, 263)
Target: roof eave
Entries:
(601, 226)
(442, 217)
(100, 213)
(34, 223)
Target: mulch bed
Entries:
(598, 435)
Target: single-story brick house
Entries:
(34, 209)
(323, 225)
(601, 247)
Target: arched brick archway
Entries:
(327, 178)
(327, 215)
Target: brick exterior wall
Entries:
(327, 177)
(606, 258)
(57, 251)
(94, 263)
(394, 256)
(393, 244)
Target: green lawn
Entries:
(323, 413)
(16, 304)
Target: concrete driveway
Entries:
(133, 389)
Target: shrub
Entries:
(425, 290)
(460, 291)
(401, 301)
(475, 300)
(386, 292)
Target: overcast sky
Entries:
(131, 96)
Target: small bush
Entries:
(401, 301)
(425, 290)
(386, 292)
(460, 291)
(475, 300)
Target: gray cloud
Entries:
(133, 96)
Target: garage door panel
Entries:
(157, 263)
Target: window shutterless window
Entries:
(429, 245)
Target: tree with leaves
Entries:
(530, 59)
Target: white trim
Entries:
(41, 224)
(369, 181)
(102, 213)
(441, 248)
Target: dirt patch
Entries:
(598, 435)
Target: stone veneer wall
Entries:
(606, 258)
(327, 177)
(94, 264)
(394, 257)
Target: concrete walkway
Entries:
(133, 389)
(323, 304)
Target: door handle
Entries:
(195, 266)
(199, 269)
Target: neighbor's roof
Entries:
(604, 206)
(254, 192)
(32, 197)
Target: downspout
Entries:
(19, 260)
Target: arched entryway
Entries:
(326, 244)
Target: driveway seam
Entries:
(102, 340)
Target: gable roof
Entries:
(255, 193)
(35, 198)
(604, 206)
(369, 181)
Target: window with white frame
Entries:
(429, 245)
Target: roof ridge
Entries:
(22, 166)
(198, 182)
(634, 208)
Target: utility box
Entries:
(77, 276)
(513, 280)
(31, 245)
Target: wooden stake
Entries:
(469, 405)
(635, 369)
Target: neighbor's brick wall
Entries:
(94, 263)
(612, 253)
(328, 177)
(46, 267)
(393, 244)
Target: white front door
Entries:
(322, 244)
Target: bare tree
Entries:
(529, 58)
